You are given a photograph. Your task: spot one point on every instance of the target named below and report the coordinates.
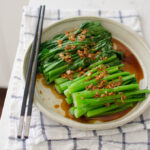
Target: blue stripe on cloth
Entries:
(99, 12)
(120, 16)
(13, 117)
(24, 144)
(19, 59)
(16, 97)
(49, 144)
(68, 130)
(46, 125)
(33, 126)
(148, 132)
(94, 133)
(79, 12)
(21, 42)
(16, 77)
(123, 141)
(146, 120)
(109, 141)
(130, 16)
(74, 143)
(120, 129)
(42, 126)
(123, 138)
(22, 25)
(29, 33)
(99, 142)
(12, 138)
(45, 18)
(142, 121)
(128, 143)
(58, 14)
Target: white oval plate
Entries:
(46, 101)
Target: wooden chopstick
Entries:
(31, 74)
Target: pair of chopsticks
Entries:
(31, 77)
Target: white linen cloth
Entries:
(48, 134)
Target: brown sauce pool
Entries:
(56, 106)
(131, 64)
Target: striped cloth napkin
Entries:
(48, 134)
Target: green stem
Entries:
(96, 101)
(103, 61)
(100, 111)
(90, 94)
(78, 86)
(122, 108)
(65, 85)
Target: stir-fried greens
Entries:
(87, 70)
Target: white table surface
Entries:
(142, 7)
